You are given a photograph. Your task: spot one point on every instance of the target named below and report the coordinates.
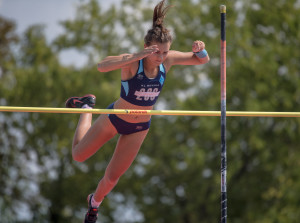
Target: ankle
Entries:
(86, 106)
(94, 203)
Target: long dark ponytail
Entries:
(158, 33)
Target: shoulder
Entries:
(129, 71)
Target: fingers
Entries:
(151, 49)
(198, 46)
(147, 51)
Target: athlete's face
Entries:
(162, 53)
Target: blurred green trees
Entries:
(176, 177)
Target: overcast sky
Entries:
(49, 13)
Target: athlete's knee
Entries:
(77, 156)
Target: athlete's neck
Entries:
(150, 69)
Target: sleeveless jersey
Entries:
(142, 91)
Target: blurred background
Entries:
(49, 51)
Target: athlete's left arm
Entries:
(188, 58)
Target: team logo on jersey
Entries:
(140, 77)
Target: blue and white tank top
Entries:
(141, 90)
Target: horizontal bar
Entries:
(148, 112)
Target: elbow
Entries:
(207, 59)
(101, 68)
(201, 60)
(104, 67)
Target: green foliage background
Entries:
(176, 177)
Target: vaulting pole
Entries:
(223, 117)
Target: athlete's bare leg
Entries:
(89, 138)
(125, 152)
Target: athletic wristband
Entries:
(201, 54)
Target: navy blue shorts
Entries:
(126, 128)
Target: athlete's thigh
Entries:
(100, 132)
(125, 152)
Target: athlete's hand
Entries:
(148, 51)
(198, 46)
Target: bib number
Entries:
(146, 95)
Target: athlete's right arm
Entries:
(124, 60)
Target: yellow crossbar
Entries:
(148, 112)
